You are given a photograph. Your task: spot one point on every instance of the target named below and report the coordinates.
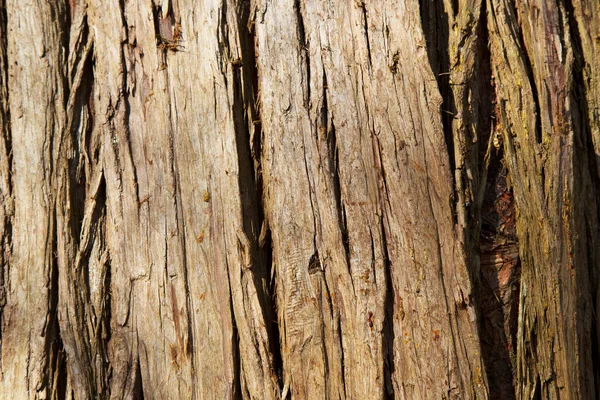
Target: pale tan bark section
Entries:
(210, 93)
(180, 260)
(308, 324)
(35, 97)
(435, 316)
(146, 238)
(363, 76)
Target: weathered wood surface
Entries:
(299, 199)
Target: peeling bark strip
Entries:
(299, 199)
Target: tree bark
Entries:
(299, 199)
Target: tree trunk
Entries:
(299, 199)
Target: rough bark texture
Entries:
(299, 199)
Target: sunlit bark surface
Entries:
(299, 199)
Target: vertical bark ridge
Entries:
(367, 125)
(253, 106)
(109, 134)
(248, 271)
(34, 93)
(299, 298)
(552, 189)
(80, 213)
(467, 119)
(414, 150)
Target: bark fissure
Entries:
(365, 22)
(6, 168)
(391, 297)
(500, 278)
(326, 126)
(304, 49)
(51, 332)
(585, 144)
(435, 22)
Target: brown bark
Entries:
(299, 199)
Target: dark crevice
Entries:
(484, 101)
(500, 281)
(7, 192)
(93, 346)
(328, 125)
(589, 212)
(82, 130)
(78, 180)
(434, 21)
(537, 390)
(334, 163)
(345, 237)
(326, 361)
(4, 94)
(304, 49)
(91, 350)
(104, 331)
(252, 102)
(388, 336)
(138, 385)
(167, 30)
(340, 333)
(78, 199)
(595, 326)
(499, 260)
(334, 169)
(455, 9)
(314, 264)
(390, 305)
(483, 240)
(365, 21)
(224, 54)
(236, 389)
(53, 344)
(156, 14)
(60, 372)
(63, 16)
(492, 235)
(246, 115)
